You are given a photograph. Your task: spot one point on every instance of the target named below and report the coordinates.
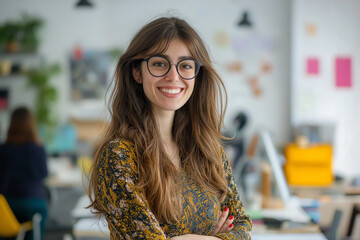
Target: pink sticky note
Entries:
(343, 72)
(312, 66)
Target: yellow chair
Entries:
(10, 226)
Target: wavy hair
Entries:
(196, 127)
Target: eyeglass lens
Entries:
(159, 66)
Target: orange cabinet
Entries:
(311, 166)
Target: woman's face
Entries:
(169, 92)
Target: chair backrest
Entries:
(333, 232)
(9, 225)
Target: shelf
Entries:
(18, 56)
(22, 60)
(12, 76)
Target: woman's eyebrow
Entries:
(179, 58)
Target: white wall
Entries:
(111, 23)
(316, 99)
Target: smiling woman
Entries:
(163, 85)
(160, 171)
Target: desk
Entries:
(80, 209)
(91, 228)
(63, 173)
(287, 232)
(335, 189)
(87, 227)
(65, 186)
(288, 236)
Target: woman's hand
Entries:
(224, 223)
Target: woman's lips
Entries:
(170, 92)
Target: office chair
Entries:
(10, 226)
(333, 232)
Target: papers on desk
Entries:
(91, 227)
(87, 225)
(80, 210)
(292, 212)
(289, 236)
(63, 173)
(297, 215)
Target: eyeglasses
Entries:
(159, 66)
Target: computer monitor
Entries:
(275, 164)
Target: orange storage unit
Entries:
(310, 166)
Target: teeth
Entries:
(170, 91)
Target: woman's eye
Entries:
(159, 64)
(186, 66)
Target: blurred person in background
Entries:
(23, 169)
(160, 171)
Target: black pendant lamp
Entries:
(84, 3)
(245, 20)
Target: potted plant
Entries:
(30, 32)
(21, 35)
(39, 79)
(9, 36)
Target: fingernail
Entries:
(231, 225)
(231, 217)
(226, 209)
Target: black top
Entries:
(22, 170)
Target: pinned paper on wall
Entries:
(310, 29)
(343, 72)
(312, 66)
(221, 39)
(266, 67)
(235, 66)
(253, 82)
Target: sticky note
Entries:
(343, 72)
(311, 29)
(312, 66)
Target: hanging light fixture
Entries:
(84, 3)
(245, 20)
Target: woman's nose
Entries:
(172, 75)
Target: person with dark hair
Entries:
(23, 169)
(160, 171)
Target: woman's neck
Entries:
(164, 121)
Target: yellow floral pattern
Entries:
(128, 213)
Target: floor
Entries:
(58, 234)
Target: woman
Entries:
(23, 169)
(160, 171)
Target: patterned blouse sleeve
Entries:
(126, 208)
(242, 222)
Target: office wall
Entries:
(325, 30)
(111, 23)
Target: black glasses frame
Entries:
(198, 65)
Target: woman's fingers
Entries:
(221, 221)
(228, 225)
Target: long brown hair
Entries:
(196, 127)
(22, 127)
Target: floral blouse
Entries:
(128, 213)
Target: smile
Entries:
(171, 90)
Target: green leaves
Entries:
(39, 79)
(23, 32)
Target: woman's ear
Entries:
(136, 73)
